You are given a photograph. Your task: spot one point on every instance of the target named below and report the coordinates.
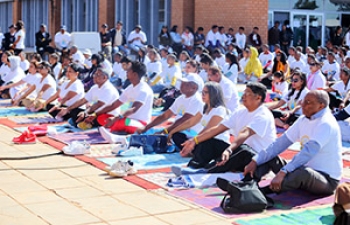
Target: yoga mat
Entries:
(319, 216)
(150, 161)
(34, 120)
(62, 128)
(17, 111)
(5, 103)
(210, 198)
(91, 137)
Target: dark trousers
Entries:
(179, 139)
(74, 115)
(267, 81)
(334, 102)
(341, 115)
(42, 50)
(55, 112)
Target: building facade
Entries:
(312, 21)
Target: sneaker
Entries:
(112, 138)
(77, 148)
(119, 147)
(26, 137)
(84, 126)
(131, 151)
(126, 168)
(116, 166)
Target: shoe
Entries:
(77, 148)
(84, 126)
(26, 137)
(39, 130)
(222, 184)
(112, 138)
(119, 147)
(126, 168)
(131, 151)
(115, 166)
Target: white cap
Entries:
(87, 52)
(195, 78)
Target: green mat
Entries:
(319, 216)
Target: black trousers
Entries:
(74, 115)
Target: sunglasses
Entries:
(312, 64)
(278, 55)
(295, 80)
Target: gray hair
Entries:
(321, 96)
(103, 71)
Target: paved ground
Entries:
(63, 190)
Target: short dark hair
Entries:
(258, 89)
(256, 28)
(125, 59)
(214, 27)
(241, 28)
(200, 29)
(139, 68)
(206, 59)
(75, 66)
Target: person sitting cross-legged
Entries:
(317, 168)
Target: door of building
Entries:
(308, 29)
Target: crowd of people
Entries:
(193, 77)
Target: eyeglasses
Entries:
(205, 92)
(312, 64)
(295, 80)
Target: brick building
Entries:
(312, 18)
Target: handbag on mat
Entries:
(150, 143)
(244, 197)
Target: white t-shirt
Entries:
(56, 70)
(78, 57)
(77, 87)
(261, 121)
(347, 38)
(222, 39)
(230, 93)
(266, 58)
(325, 131)
(299, 64)
(50, 91)
(292, 102)
(204, 75)
(221, 61)
(107, 94)
(141, 35)
(139, 93)
(231, 72)
(243, 62)
(331, 69)
(340, 87)
(24, 65)
(63, 40)
(188, 39)
(212, 37)
(281, 87)
(20, 44)
(154, 67)
(106, 65)
(168, 75)
(4, 70)
(32, 79)
(241, 40)
(117, 69)
(316, 81)
(191, 105)
(290, 59)
(221, 112)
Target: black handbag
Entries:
(245, 197)
(150, 143)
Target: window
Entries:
(161, 11)
(136, 12)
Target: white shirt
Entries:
(243, 62)
(117, 69)
(221, 61)
(32, 79)
(107, 66)
(56, 70)
(169, 74)
(316, 81)
(281, 87)
(78, 57)
(261, 121)
(347, 38)
(222, 39)
(212, 37)
(188, 39)
(221, 112)
(292, 102)
(4, 70)
(63, 40)
(290, 59)
(230, 94)
(266, 58)
(325, 131)
(331, 69)
(154, 67)
(39, 84)
(24, 65)
(191, 105)
(107, 94)
(140, 93)
(231, 72)
(20, 44)
(204, 75)
(340, 87)
(241, 40)
(141, 35)
(77, 87)
(299, 64)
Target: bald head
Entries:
(321, 96)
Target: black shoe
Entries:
(222, 184)
(194, 164)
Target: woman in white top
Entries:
(232, 67)
(184, 57)
(20, 37)
(188, 40)
(287, 116)
(44, 87)
(213, 114)
(5, 67)
(25, 83)
(315, 79)
(70, 91)
(279, 86)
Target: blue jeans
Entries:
(158, 88)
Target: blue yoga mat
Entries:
(17, 111)
(150, 161)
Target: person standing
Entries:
(118, 36)
(20, 37)
(285, 39)
(254, 38)
(337, 39)
(274, 36)
(241, 38)
(42, 41)
(106, 42)
(9, 38)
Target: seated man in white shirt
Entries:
(139, 97)
(298, 63)
(185, 107)
(317, 168)
(137, 39)
(101, 95)
(63, 40)
(266, 59)
(77, 55)
(254, 130)
(331, 68)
